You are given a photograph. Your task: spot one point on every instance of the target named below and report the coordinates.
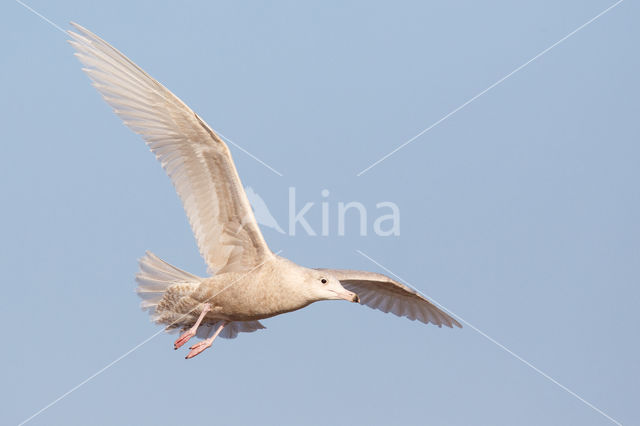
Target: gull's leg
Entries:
(201, 346)
(184, 337)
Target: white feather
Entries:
(380, 292)
(195, 158)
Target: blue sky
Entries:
(519, 213)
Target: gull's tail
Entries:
(155, 277)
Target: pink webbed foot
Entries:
(198, 348)
(184, 337)
(201, 346)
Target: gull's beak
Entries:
(348, 295)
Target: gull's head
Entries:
(324, 286)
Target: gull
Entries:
(248, 282)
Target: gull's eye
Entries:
(323, 281)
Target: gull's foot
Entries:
(198, 348)
(184, 338)
(201, 346)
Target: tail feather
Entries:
(151, 266)
(155, 276)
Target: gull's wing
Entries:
(378, 291)
(195, 158)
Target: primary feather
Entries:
(195, 158)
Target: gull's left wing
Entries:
(378, 291)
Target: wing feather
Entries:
(380, 292)
(195, 158)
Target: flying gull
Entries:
(248, 281)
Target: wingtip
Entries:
(76, 37)
(77, 26)
(82, 33)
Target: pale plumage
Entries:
(195, 158)
(378, 291)
(249, 282)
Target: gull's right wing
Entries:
(195, 158)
